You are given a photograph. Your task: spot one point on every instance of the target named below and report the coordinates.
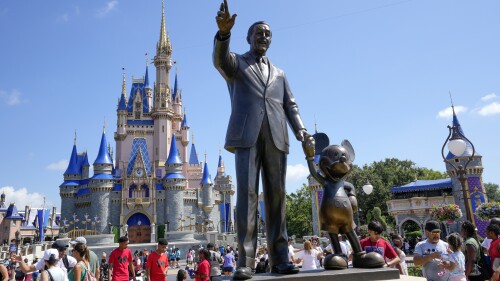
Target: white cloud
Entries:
(58, 166)
(448, 112)
(110, 6)
(298, 172)
(12, 98)
(489, 97)
(24, 198)
(490, 109)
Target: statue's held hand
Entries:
(308, 146)
(225, 21)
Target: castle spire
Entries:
(175, 85)
(206, 174)
(164, 42)
(146, 78)
(103, 156)
(74, 140)
(73, 167)
(173, 156)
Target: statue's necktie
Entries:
(261, 62)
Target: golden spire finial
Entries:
(104, 126)
(163, 32)
(220, 150)
(192, 138)
(147, 59)
(124, 83)
(205, 156)
(74, 140)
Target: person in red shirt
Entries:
(492, 232)
(157, 263)
(374, 243)
(203, 271)
(120, 262)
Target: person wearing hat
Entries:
(53, 272)
(65, 262)
(157, 263)
(120, 262)
(94, 260)
(428, 252)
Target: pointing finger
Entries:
(226, 7)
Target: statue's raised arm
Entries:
(225, 21)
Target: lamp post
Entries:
(64, 225)
(85, 222)
(457, 146)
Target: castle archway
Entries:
(139, 228)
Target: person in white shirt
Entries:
(66, 263)
(291, 250)
(308, 256)
(315, 245)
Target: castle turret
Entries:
(224, 190)
(194, 168)
(69, 187)
(121, 121)
(184, 144)
(101, 185)
(174, 184)
(206, 191)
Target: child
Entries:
(456, 260)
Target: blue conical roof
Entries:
(85, 159)
(122, 104)
(468, 147)
(73, 167)
(12, 212)
(103, 156)
(175, 87)
(146, 79)
(173, 156)
(220, 161)
(206, 175)
(193, 157)
(184, 121)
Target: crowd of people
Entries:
(460, 258)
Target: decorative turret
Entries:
(149, 91)
(163, 46)
(206, 190)
(103, 163)
(163, 64)
(85, 166)
(174, 183)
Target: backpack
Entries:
(89, 275)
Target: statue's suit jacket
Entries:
(252, 98)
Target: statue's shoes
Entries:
(284, 268)
(335, 262)
(243, 273)
(368, 260)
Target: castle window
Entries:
(163, 129)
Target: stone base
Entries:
(351, 274)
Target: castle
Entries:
(152, 185)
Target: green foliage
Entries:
(414, 234)
(492, 192)
(377, 215)
(299, 212)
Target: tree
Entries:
(299, 212)
(492, 192)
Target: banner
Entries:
(41, 223)
(222, 211)
(262, 211)
(226, 217)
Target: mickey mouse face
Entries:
(335, 162)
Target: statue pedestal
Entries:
(351, 274)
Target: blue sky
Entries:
(376, 72)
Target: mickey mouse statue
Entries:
(339, 200)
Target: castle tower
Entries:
(121, 126)
(184, 143)
(162, 113)
(174, 184)
(206, 191)
(69, 187)
(224, 187)
(101, 185)
(474, 182)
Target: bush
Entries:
(414, 234)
